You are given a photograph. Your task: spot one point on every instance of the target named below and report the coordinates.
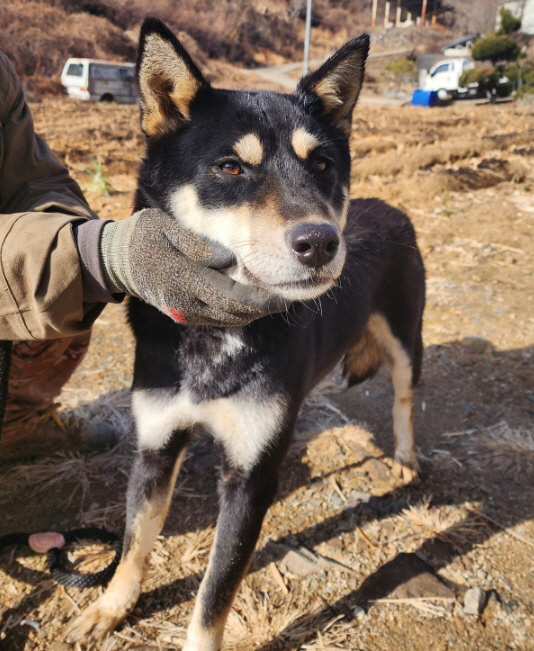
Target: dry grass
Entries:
(253, 620)
(450, 524)
(262, 612)
(112, 409)
(498, 448)
(82, 472)
(507, 450)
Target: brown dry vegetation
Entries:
(39, 35)
(465, 174)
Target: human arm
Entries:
(41, 289)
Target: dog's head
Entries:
(264, 174)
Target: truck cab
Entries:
(444, 77)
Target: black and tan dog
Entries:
(267, 176)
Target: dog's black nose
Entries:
(314, 244)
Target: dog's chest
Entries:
(217, 363)
(222, 388)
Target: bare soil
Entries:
(465, 175)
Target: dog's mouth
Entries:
(295, 290)
(285, 276)
(315, 284)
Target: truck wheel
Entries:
(108, 97)
(444, 97)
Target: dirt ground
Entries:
(465, 175)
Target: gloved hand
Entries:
(151, 257)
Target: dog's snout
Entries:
(314, 244)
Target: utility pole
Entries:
(307, 38)
(397, 19)
(373, 13)
(423, 13)
(433, 22)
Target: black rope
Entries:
(56, 558)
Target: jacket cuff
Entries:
(87, 235)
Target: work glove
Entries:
(151, 257)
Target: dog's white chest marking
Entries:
(231, 344)
(244, 425)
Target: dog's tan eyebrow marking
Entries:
(249, 149)
(303, 142)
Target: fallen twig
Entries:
(409, 600)
(278, 578)
(336, 487)
(324, 561)
(331, 623)
(367, 540)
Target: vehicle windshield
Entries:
(75, 70)
(444, 67)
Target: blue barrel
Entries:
(425, 97)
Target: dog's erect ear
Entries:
(167, 79)
(337, 83)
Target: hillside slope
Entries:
(39, 35)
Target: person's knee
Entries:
(39, 370)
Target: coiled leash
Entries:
(56, 557)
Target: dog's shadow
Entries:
(466, 385)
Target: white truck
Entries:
(444, 76)
(100, 81)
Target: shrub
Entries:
(509, 23)
(403, 70)
(521, 76)
(488, 80)
(495, 47)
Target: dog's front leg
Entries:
(245, 497)
(149, 493)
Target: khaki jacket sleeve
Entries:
(40, 275)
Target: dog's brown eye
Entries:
(232, 168)
(319, 165)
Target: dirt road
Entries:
(465, 175)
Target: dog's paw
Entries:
(407, 468)
(95, 623)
